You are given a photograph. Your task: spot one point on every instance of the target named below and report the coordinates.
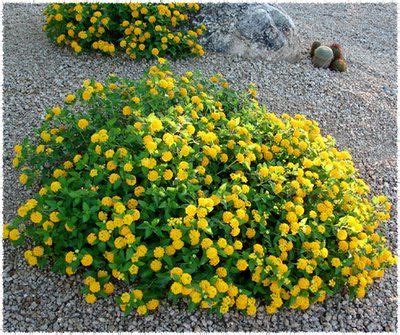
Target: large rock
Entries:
(250, 30)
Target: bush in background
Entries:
(142, 30)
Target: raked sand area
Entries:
(358, 108)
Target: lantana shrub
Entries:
(141, 30)
(180, 187)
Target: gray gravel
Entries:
(358, 108)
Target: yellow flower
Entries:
(141, 250)
(335, 262)
(241, 264)
(59, 139)
(191, 210)
(155, 265)
(152, 304)
(38, 251)
(87, 260)
(353, 280)
(70, 257)
(128, 167)
(54, 217)
(93, 173)
(221, 272)
(150, 163)
(168, 174)
(155, 125)
(135, 215)
(91, 238)
(108, 288)
(36, 217)
(58, 17)
(341, 234)
(186, 279)
(212, 253)
(304, 283)
(104, 235)
(241, 301)
(141, 310)
(208, 179)
(125, 297)
(69, 271)
(166, 156)
(86, 95)
(182, 175)
(18, 149)
(55, 186)
(138, 294)
(90, 298)
(126, 110)
(158, 252)
(83, 123)
(113, 178)
(23, 178)
(94, 286)
(176, 288)
(6, 231)
(152, 175)
(120, 242)
(107, 201)
(69, 98)
(175, 234)
(32, 260)
(14, 234)
(185, 150)
(168, 139)
(178, 244)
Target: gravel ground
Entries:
(358, 108)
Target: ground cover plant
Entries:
(141, 30)
(180, 187)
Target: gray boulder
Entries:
(250, 30)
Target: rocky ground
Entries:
(358, 108)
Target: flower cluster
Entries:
(181, 187)
(142, 30)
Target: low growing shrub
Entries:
(179, 186)
(142, 30)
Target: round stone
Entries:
(261, 31)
